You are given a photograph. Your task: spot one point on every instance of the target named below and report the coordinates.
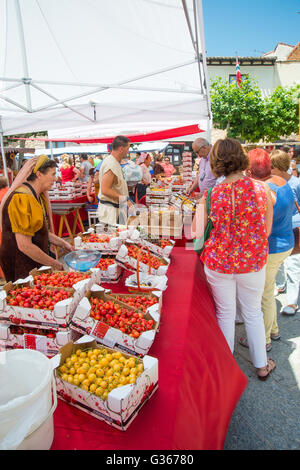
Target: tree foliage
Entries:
(247, 116)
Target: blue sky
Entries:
(249, 27)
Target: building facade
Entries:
(278, 67)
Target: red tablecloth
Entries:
(71, 216)
(200, 382)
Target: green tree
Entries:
(282, 113)
(247, 116)
(240, 110)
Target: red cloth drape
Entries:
(134, 138)
(200, 382)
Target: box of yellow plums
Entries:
(105, 383)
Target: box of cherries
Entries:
(135, 256)
(106, 383)
(115, 323)
(158, 246)
(104, 242)
(43, 340)
(26, 304)
(110, 270)
(79, 281)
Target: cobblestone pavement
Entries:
(267, 417)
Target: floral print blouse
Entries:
(238, 242)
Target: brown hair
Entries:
(3, 182)
(43, 169)
(280, 160)
(227, 156)
(119, 141)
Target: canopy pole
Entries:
(199, 16)
(2, 151)
(51, 148)
(26, 78)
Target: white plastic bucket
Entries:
(27, 390)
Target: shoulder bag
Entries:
(200, 242)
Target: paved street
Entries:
(267, 416)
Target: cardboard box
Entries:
(110, 246)
(158, 191)
(155, 246)
(82, 286)
(186, 204)
(58, 318)
(49, 343)
(155, 199)
(116, 239)
(107, 335)
(122, 404)
(128, 262)
(113, 273)
(159, 222)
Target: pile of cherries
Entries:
(128, 321)
(144, 256)
(138, 301)
(59, 279)
(37, 297)
(105, 262)
(95, 238)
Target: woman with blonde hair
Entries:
(235, 254)
(68, 171)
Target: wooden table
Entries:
(62, 211)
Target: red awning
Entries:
(149, 137)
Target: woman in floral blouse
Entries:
(236, 252)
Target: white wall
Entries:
(281, 51)
(268, 77)
(287, 73)
(265, 75)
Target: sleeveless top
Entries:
(23, 214)
(238, 242)
(67, 174)
(106, 212)
(282, 237)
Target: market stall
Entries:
(200, 382)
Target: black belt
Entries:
(109, 203)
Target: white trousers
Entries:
(247, 289)
(289, 275)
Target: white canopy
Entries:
(103, 64)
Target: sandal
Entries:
(289, 310)
(244, 342)
(275, 337)
(268, 368)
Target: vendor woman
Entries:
(26, 237)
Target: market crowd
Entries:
(251, 198)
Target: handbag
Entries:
(200, 242)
